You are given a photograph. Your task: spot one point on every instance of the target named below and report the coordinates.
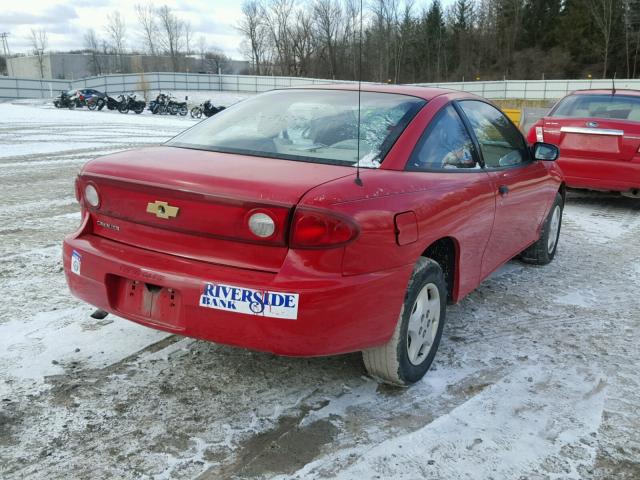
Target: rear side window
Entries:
(501, 143)
(620, 107)
(445, 144)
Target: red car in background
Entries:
(255, 228)
(598, 132)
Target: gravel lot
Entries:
(536, 378)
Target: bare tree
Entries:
(303, 43)
(117, 31)
(202, 49)
(602, 15)
(328, 16)
(39, 43)
(147, 19)
(253, 27)
(172, 34)
(278, 17)
(188, 37)
(216, 60)
(92, 44)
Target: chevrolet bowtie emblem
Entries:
(162, 209)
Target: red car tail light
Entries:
(78, 192)
(320, 229)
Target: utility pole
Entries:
(5, 47)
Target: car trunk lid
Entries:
(593, 138)
(195, 203)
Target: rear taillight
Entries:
(78, 191)
(312, 228)
(539, 134)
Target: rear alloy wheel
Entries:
(407, 356)
(544, 250)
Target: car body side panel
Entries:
(456, 205)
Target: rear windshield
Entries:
(621, 107)
(309, 125)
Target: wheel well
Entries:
(563, 191)
(444, 252)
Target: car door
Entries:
(446, 164)
(518, 181)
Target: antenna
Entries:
(358, 180)
(613, 82)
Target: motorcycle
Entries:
(69, 100)
(111, 103)
(166, 103)
(130, 103)
(176, 108)
(159, 105)
(206, 108)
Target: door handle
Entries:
(503, 189)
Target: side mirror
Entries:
(545, 152)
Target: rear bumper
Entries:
(335, 314)
(620, 176)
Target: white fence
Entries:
(532, 89)
(115, 84)
(11, 87)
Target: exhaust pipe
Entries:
(99, 314)
(633, 193)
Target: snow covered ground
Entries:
(536, 378)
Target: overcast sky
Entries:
(66, 21)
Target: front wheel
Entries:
(196, 112)
(123, 109)
(407, 356)
(544, 250)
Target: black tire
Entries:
(100, 103)
(392, 362)
(123, 109)
(196, 112)
(544, 250)
(92, 105)
(139, 109)
(183, 110)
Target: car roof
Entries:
(426, 93)
(608, 91)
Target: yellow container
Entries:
(514, 114)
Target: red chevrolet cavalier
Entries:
(270, 226)
(598, 132)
